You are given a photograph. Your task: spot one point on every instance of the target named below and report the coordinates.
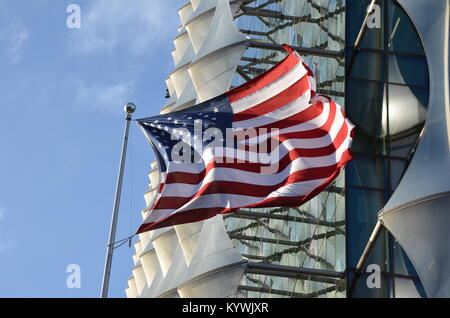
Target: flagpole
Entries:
(129, 109)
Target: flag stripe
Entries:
(167, 218)
(264, 79)
(254, 181)
(274, 88)
(275, 102)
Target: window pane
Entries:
(397, 169)
(366, 171)
(408, 70)
(366, 108)
(407, 113)
(362, 211)
(356, 12)
(402, 34)
(368, 65)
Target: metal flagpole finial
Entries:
(129, 108)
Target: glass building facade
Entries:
(386, 97)
(313, 235)
(374, 65)
(383, 83)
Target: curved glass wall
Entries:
(387, 98)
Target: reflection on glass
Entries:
(365, 110)
(368, 65)
(408, 70)
(363, 206)
(402, 34)
(356, 11)
(407, 108)
(368, 172)
(397, 169)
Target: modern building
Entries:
(380, 229)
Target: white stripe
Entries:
(235, 175)
(274, 156)
(288, 110)
(226, 200)
(270, 90)
(314, 123)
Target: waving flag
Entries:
(269, 142)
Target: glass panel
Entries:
(402, 145)
(366, 108)
(408, 70)
(356, 12)
(397, 169)
(379, 257)
(407, 108)
(366, 171)
(260, 285)
(361, 289)
(368, 65)
(402, 36)
(362, 208)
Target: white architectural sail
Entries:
(195, 4)
(220, 54)
(185, 12)
(175, 57)
(184, 49)
(188, 97)
(169, 261)
(200, 21)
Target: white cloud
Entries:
(108, 97)
(135, 27)
(13, 36)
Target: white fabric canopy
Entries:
(216, 62)
(185, 12)
(200, 22)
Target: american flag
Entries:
(297, 143)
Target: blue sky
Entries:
(61, 124)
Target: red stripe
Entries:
(249, 189)
(205, 213)
(312, 133)
(233, 187)
(195, 178)
(284, 98)
(308, 114)
(322, 151)
(183, 218)
(263, 79)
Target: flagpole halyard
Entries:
(129, 109)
